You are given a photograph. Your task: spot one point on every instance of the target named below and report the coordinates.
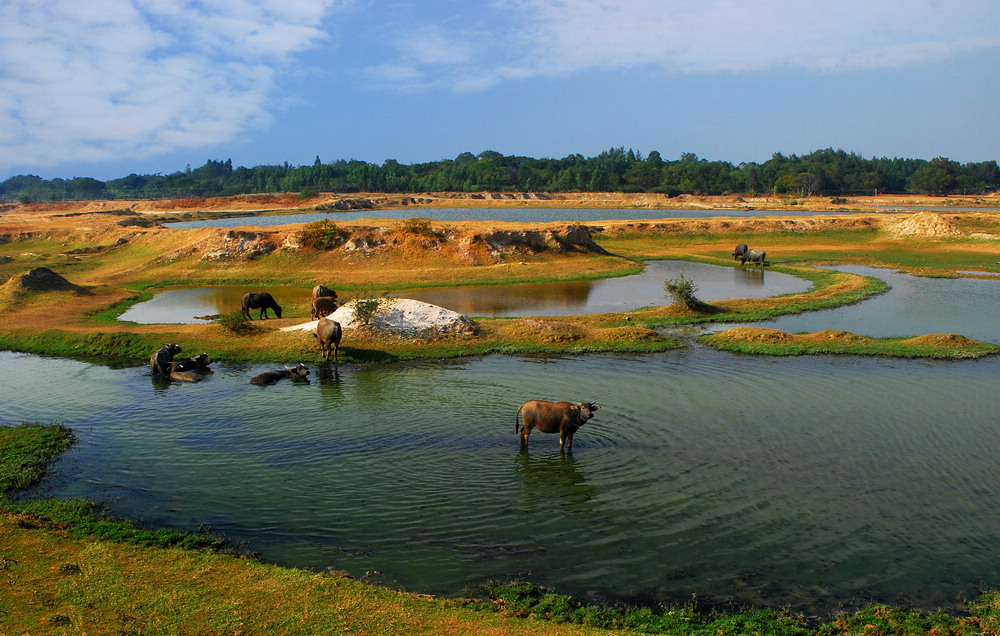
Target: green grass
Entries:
(121, 346)
(27, 450)
(941, 347)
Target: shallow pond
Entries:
(523, 299)
(912, 307)
(808, 482)
(526, 214)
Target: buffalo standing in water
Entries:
(160, 361)
(262, 301)
(756, 257)
(554, 417)
(298, 372)
(328, 332)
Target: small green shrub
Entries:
(322, 235)
(682, 291)
(366, 308)
(419, 226)
(307, 193)
(238, 323)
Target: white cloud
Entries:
(105, 79)
(714, 35)
(562, 37)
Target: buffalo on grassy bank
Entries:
(323, 306)
(262, 301)
(322, 291)
(328, 332)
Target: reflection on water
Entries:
(552, 478)
(810, 483)
(194, 304)
(626, 293)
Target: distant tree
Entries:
(936, 177)
(810, 184)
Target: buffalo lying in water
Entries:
(198, 362)
(298, 372)
(262, 301)
(554, 417)
(181, 370)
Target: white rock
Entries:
(401, 316)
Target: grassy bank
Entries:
(81, 572)
(772, 342)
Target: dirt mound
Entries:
(757, 334)
(940, 340)
(551, 331)
(40, 279)
(831, 335)
(924, 224)
(43, 279)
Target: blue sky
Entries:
(102, 88)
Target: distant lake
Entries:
(530, 215)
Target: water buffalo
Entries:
(322, 291)
(185, 376)
(160, 361)
(554, 417)
(323, 306)
(261, 301)
(739, 251)
(328, 332)
(756, 257)
(199, 362)
(298, 372)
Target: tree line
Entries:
(823, 172)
